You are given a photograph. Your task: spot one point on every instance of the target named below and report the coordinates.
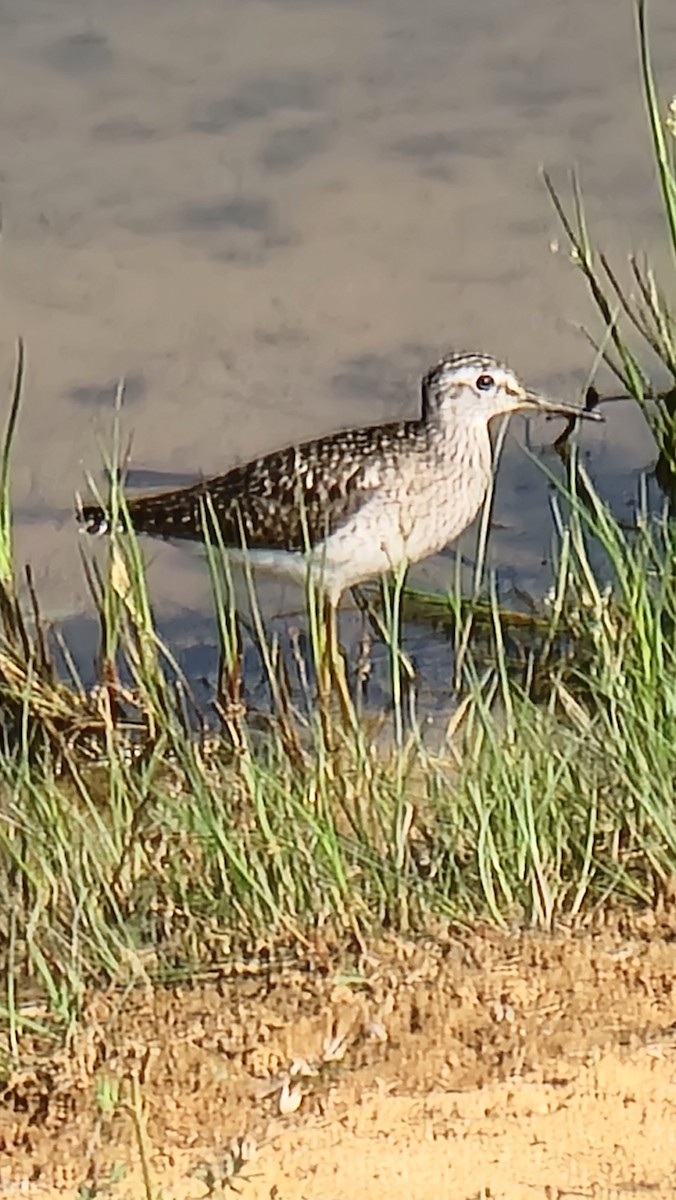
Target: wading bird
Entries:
(341, 509)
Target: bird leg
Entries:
(331, 673)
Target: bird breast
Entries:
(439, 508)
(419, 507)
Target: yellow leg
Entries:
(332, 676)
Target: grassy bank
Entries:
(136, 844)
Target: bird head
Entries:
(473, 388)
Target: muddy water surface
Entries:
(270, 217)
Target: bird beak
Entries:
(535, 402)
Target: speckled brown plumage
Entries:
(284, 500)
(362, 501)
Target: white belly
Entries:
(382, 538)
(407, 519)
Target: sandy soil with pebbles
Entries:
(480, 1065)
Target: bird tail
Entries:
(166, 515)
(92, 518)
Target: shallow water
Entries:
(271, 217)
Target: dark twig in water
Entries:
(665, 467)
(591, 401)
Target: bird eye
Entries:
(485, 382)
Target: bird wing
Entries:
(289, 499)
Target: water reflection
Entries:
(271, 219)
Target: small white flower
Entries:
(333, 1049)
(290, 1099)
(375, 1031)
